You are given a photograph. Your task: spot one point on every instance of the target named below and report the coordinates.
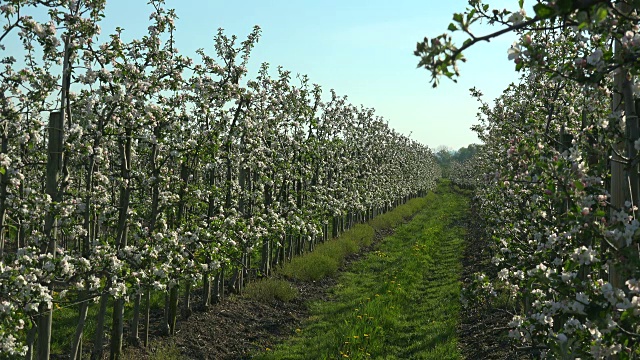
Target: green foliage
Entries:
(462, 191)
(466, 153)
(363, 233)
(326, 258)
(446, 156)
(268, 290)
(399, 214)
(382, 221)
(543, 11)
(338, 249)
(311, 267)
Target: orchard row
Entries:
(557, 179)
(127, 168)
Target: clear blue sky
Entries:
(360, 48)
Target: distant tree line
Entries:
(446, 156)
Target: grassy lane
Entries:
(399, 302)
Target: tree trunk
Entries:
(618, 180)
(186, 310)
(31, 339)
(147, 309)
(135, 323)
(98, 340)
(206, 291)
(76, 349)
(54, 171)
(207, 285)
(4, 148)
(173, 308)
(153, 217)
(218, 286)
(117, 326)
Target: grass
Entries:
(271, 289)
(310, 268)
(327, 257)
(65, 320)
(398, 215)
(400, 302)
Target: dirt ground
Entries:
(239, 326)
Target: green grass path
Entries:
(400, 302)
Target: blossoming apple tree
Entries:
(560, 162)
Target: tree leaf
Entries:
(544, 11)
(601, 14)
(565, 6)
(470, 14)
(453, 27)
